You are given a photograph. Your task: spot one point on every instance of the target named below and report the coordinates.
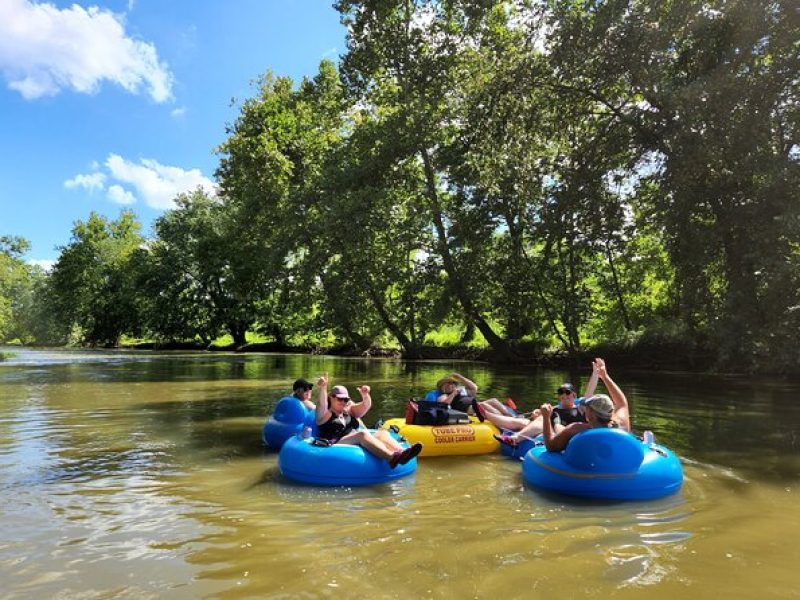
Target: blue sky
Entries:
(120, 104)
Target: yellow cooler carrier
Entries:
(449, 440)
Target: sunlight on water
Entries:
(142, 475)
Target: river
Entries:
(142, 475)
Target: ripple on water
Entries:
(120, 480)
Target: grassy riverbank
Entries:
(655, 354)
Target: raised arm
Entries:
(359, 409)
(591, 385)
(469, 385)
(621, 410)
(322, 410)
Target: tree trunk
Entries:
(468, 333)
(518, 324)
(537, 273)
(569, 316)
(497, 343)
(238, 333)
(410, 349)
(276, 332)
(618, 288)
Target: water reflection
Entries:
(143, 475)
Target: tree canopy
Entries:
(534, 177)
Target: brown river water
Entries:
(142, 475)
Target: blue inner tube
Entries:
(289, 418)
(519, 451)
(525, 444)
(605, 463)
(340, 464)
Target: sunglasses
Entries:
(560, 391)
(342, 399)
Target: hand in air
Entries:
(363, 390)
(600, 366)
(323, 381)
(547, 410)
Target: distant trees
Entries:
(94, 281)
(15, 284)
(549, 175)
(183, 279)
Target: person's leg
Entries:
(367, 441)
(388, 441)
(505, 422)
(528, 432)
(376, 447)
(494, 405)
(531, 430)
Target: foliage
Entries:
(199, 274)
(14, 281)
(94, 279)
(26, 309)
(619, 174)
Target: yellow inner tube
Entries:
(449, 440)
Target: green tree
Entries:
(706, 94)
(269, 175)
(92, 283)
(405, 59)
(36, 321)
(15, 282)
(201, 274)
(376, 238)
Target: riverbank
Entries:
(662, 357)
(651, 355)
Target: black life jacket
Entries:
(335, 429)
(565, 416)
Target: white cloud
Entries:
(93, 182)
(155, 183)
(179, 112)
(46, 264)
(118, 194)
(44, 49)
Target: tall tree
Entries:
(377, 238)
(92, 282)
(15, 283)
(405, 56)
(269, 175)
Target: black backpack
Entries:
(437, 413)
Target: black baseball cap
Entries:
(302, 384)
(565, 387)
